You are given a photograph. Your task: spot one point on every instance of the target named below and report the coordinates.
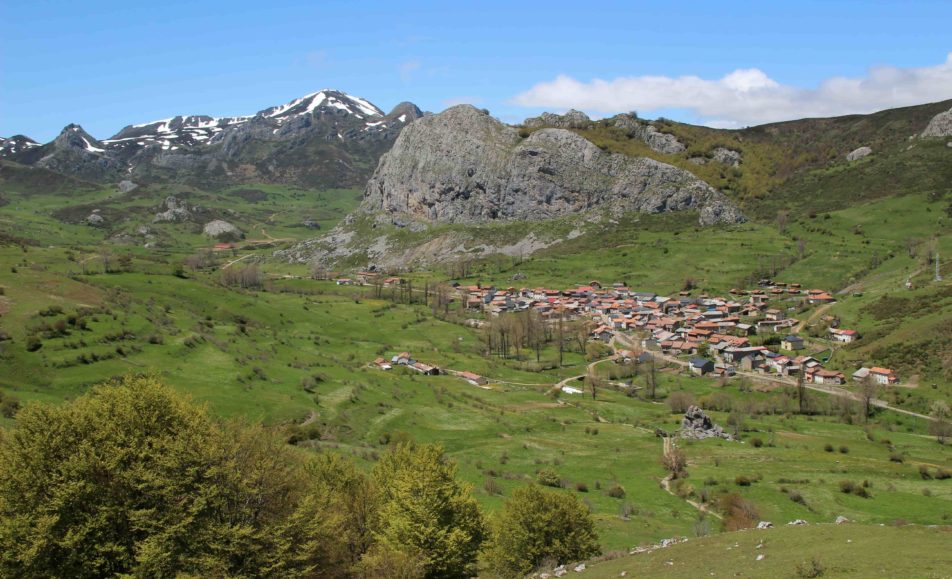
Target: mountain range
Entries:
(324, 139)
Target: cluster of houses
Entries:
(713, 331)
(406, 359)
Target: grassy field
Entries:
(294, 353)
(805, 551)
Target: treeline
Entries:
(132, 479)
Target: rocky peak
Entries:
(74, 137)
(464, 166)
(405, 112)
(16, 144)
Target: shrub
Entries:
(847, 486)
(492, 487)
(828, 447)
(844, 450)
(924, 472)
(757, 442)
(896, 457)
(810, 570)
(742, 481)
(739, 513)
(942, 474)
(796, 497)
(616, 492)
(33, 343)
(581, 487)
(536, 526)
(548, 478)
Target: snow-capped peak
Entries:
(327, 98)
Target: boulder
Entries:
(696, 424)
(219, 228)
(841, 520)
(726, 156)
(939, 126)
(95, 219)
(858, 154)
(764, 525)
(126, 185)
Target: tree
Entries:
(425, 512)
(867, 392)
(538, 525)
(651, 378)
(782, 218)
(801, 391)
(940, 427)
(130, 479)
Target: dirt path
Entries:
(234, 261)
(819, 312)
(668, 447)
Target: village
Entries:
(748, 331)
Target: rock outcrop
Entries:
(858, 154)
(219, 228)
(696, 424)
(939, 126)
(638, 129)
(463, 166)
(173, 210)
(571, 120)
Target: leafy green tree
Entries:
(537, 525)
(425, 512)
(132, 479)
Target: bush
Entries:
(796, 497)
(739, 513)
(942, 474)
(616, 492)
(828, 447)
(924, 472)
(536, 526)
(757, 442)
(844, 450)
(847, 486)
(548, 478)
(33, 343)
(742, 481)
(581, 487)
(492, 487)
(896, 457)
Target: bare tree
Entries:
(651, 378)
(940, 427)
(782, 218)
(868, 390)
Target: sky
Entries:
(106, 64)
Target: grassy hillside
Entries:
(811, 551)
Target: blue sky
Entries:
(106, 64)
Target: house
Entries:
(474, 379)
(844, 336)
(701, 366)
(774, 315)
(345, 281)
(382, 364)
(603, 333)
(818, 375)
(425, 369)
(883, 376)
(402, 359)
(791, 342)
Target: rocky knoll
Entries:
(463, 166)
(939, 126)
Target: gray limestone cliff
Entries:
(463, 166)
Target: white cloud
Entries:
(406, 70)
(747, 96)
